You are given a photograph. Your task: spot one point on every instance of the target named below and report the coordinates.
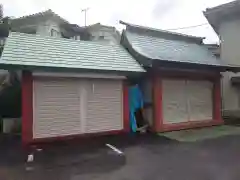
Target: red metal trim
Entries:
(190, 125)
(27, 107)
(157, 103)
(126, 123)
(75, 137)
(217, 115)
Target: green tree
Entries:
(4, 28)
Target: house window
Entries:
(101, 37)
(77, 37)
(2, 42)
(54, 33)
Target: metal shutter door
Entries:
(104, 106)
(174, 101)
(56, 107)
(199, 100)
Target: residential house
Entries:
(104, 33)
(47, 23)
(70, 88)
(225, 20)
(182, 84)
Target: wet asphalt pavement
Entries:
(146, 157)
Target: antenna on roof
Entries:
(85, 14)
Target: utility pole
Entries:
(85, 14)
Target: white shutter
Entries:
(200, 100)
(174, 101)
(185, 100)
(57, 109)
(104, 105)
(65, 106)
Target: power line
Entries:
(188, 27)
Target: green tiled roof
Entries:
(169, 49)
(42, 51)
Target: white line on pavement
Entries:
(114, 149)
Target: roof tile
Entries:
(160, 48)
(36, 50)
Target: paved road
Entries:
(145, 158)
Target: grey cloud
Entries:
(42, 3)
(162, 7)
(115, 17)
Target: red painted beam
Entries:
(27, 107)
(217, 100)
(157, 103)
(126, 111)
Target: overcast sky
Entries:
(163, 14)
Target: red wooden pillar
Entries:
(27, 107)
(157, 103)
(217, 114)
(126, 111)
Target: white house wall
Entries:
(44, 28)
(110, 35)
(230, 41)
(230, 54)
(230, 94)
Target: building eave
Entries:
(149, 62)
(20, 21)
(221, 13)
(154, 31)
